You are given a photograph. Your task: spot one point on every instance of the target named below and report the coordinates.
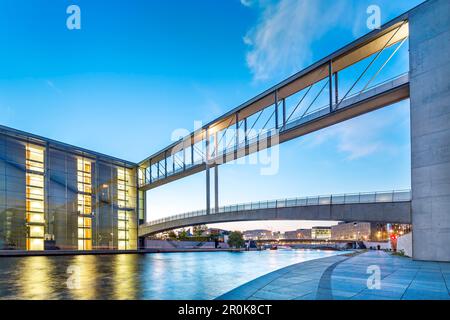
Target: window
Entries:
(36, 231)
(84, 185)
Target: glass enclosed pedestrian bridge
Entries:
(338, 199)
(357, 79)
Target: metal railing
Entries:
(349, 198)
(305, 118)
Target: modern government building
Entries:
(56, 196)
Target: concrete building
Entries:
(367, 231)
(298, 234)
(429, 48)
(257, 234)
(321, 233)
(352, 231)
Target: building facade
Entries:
(367, 231)
(55, 196)
(321, 233)
(258, 234)
(298, 234)
(352, 231)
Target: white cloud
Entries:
(280, 43)
(246, 3)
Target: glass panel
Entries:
(35, 244)
(36, 231)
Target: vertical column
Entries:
(330, 84)
(184, 155)
(237, 133)
(208, 187)
(245, 133)
(192, 151)
(284, 112)
(216, 177)
(150, 170)
(165, 164)
(430, 129)
(276, 109)
(336, 89)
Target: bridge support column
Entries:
(208, 191)
(208, 179)
(216, 189)
(430, 129)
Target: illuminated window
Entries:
(84, 203)
(122, 235)
(35, 205)
(35, 244)
(36, 231)
(84, 244)
(122, 245)
(34, 217)
(122, 225)
(35, 180)
(123, 187)
(35, 158)
(35, 195)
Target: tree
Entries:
(172, 235)
(198, 230)
(236, 239)
(182, 235)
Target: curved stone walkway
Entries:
(346, 277)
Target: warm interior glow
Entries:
(84, 203)
(35, 244)
(36, 231)
(123, 186)
(35, 195)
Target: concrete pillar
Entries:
(430, 129)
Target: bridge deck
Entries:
(181, 158)
(389, 206)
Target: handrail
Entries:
(347, 198)
(306, 117)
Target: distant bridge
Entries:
(386, 206)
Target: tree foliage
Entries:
(236, 239)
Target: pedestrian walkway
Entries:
(351, 277)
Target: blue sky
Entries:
(137, 70)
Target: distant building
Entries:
(352, 231)
(213, 232)
(258, 234)
(321, 233)
(367, 231)
(277, 235)
(298, 234)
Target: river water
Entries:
(168, 276)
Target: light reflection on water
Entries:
(188, 275)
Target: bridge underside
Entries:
(393, 212)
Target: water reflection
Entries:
(126, 285)
(35, 278)
(197, 275)
(82, 277)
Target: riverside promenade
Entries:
(345, 277)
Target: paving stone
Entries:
(401, 278)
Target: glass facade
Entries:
(59, 197)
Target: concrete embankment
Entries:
(347, 277)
